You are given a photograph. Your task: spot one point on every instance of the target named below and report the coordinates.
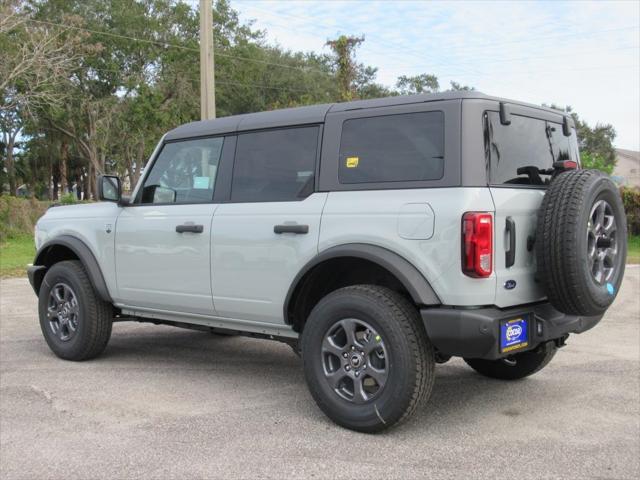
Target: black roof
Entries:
(315, 114)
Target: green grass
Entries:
(633, 249)
(15, 254)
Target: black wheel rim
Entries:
(354, 360)
(602, 242)
(63, 312)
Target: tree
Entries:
(423, 83)
(457, 87)
(347, 69)
(34, 63)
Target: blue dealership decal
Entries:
(514, 334)
(610, 289)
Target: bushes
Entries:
(19, 215)
(631, 200)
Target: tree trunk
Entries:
(64, 159)
(11, 168)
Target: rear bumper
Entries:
(474, 333)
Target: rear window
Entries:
(524, 152)
(392, 148)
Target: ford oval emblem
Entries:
(510, 284)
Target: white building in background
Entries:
(627, 171)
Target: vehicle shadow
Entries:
(458, 393)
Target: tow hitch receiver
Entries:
(562, 341)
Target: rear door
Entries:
(269, 229)
(520, 156)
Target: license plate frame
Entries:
(514, 334)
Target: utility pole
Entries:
(207, 67)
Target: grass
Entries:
(15, 254)
(633, 249)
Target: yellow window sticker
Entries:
(352, 162)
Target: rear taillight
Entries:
(477, 244)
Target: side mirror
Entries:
(109, 188)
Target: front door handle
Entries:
(510, 255)
(293, 228)
(189, 227)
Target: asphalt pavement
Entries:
(164, 403)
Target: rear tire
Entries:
(517, 366)
(75, 322)
(388, 373)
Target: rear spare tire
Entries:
(581, 242)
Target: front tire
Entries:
(75, 322)
(367, 359)
(516, 366)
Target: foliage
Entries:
(19, 215)
(423, 83)
(631, 201)
(633, 249)
(347, 70)
(595, 161)
(68, 199)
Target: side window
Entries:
(274, 165)
(523, 153)
(184, 172)
(392, 148)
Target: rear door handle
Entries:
(294, 228)
(189, 227)
(510, 255)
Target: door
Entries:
(163, 241)
(269, 230)
(521, 157)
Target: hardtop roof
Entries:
(315, 114)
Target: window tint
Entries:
(529, 145)
(185, 172)
(392, 148)
(274, 165)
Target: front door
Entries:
(163, 240)
(270, 229)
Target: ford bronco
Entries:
(378, 238)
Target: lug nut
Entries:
(364, 367)
(357, 373)
(347, 368)
(345, 354)
(352, 347)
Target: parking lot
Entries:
(170, 403)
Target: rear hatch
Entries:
(522, 150)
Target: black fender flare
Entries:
(82, 251)
(415, 283)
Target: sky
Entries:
(579, 53)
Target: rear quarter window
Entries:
(392, 148)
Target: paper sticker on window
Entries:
(201, 183)
(352, 162)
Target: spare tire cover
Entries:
(581, 242)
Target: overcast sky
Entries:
(583, 54)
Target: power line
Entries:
(468, 50)
(182, 47)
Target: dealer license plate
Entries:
(514, 334)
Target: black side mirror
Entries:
(109, 188)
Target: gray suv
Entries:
(378, 238)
